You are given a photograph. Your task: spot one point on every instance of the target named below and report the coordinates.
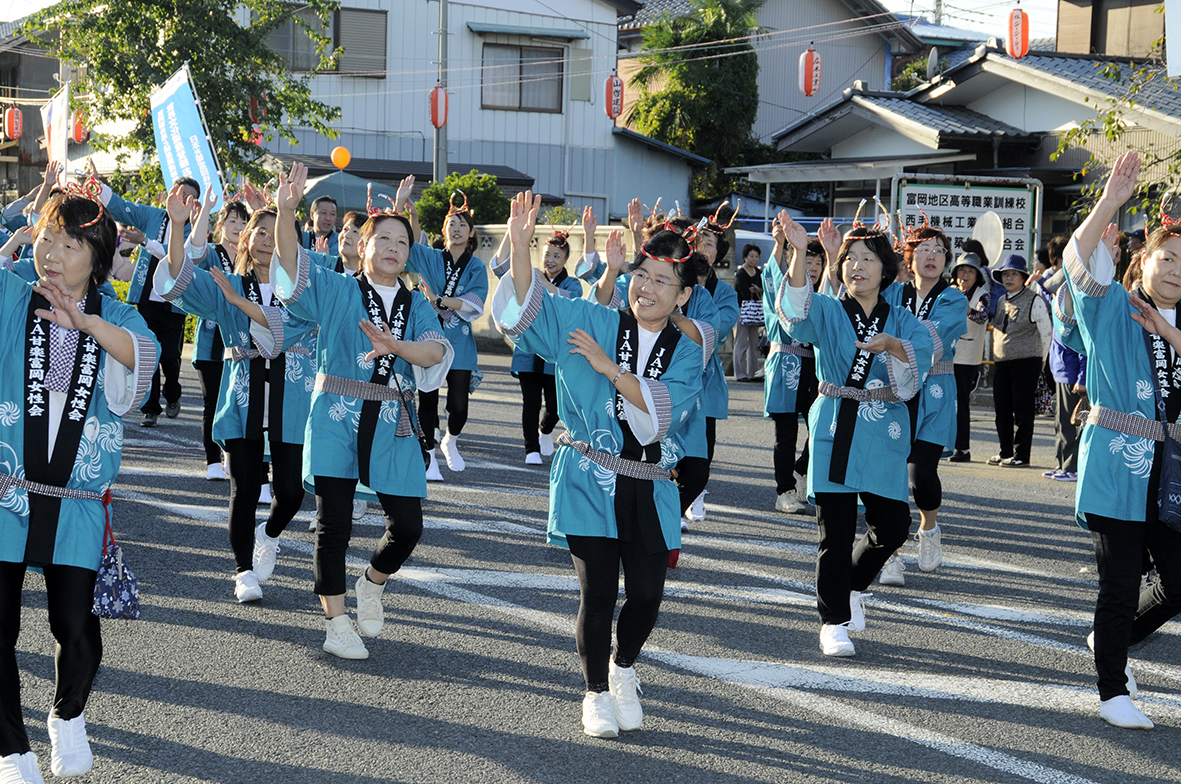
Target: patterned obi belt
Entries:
(615, 464)
(1138, 426)
(886, 394)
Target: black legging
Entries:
(209, 377)
(787, 430)
(966, 377)
(596, 561)
(244, 459)
(1013, 391)
(841, 568)
(334, 528)
(458, 390)
(923, 467)
(693, 472)
(70, 594)
(533, 420)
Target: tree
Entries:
(1105, 136)
(487, 201)
(698, 93)
(247, 91)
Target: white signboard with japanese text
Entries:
(954, 210)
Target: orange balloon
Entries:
(341, 157)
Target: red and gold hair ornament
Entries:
(879, 229)
(560, 239)
(371, 210)
(454, 209)
(91, 189)
(1165, 220)
(714, 223)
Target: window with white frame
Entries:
(359, 33)
(522, 78)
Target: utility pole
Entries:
(937, 15)
(440, 167)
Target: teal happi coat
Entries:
(472, 288)
(781, 370)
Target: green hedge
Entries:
(121, 287)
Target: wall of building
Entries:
(643, 172)
(878, 141)
(1112, 27)
(1031, 110)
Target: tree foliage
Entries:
(247, 91)
(485, 197)
(703, 98)
(1105, 136)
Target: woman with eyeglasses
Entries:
(627, 380)
(943, 310)
(871, 358)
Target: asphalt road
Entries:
(974, 673)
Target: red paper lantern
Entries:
(13, 123)
(438, 107)
(613, 101)
(79, 133)
(1017, 43)
(810, 72)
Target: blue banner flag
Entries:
(181, 142)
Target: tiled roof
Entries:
(1087, 72)
(946, 120)
(654, 9)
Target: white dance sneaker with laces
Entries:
(892, 572)
(834, 640)
(1133, 689)
(432, 471)
(697, 509)
(450, 447)
(266, 550)
(801, 487)
(1120, 712)
(265, 496)
(215, 473)
(20, 769)
(624, 686)
(246, 587)
(341, 639)
(598, 715)
(533, 458)
(546, 442)
(930, 549)
(70, 755)
(360, 507)
(370, 612)
(788, 503)
(856, 612)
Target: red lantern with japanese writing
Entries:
(1017, 43)
(613, 98)
(13, 123)
(438, 107)
(79, 133)
(810, 72)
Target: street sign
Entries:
(955, 208)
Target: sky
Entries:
(986, 15)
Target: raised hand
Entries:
(252, 196)
(1121, 182)
(829, 237)
(383, 342)
(635, 216)
(131, 235)
(1110, 239)
(796, 234)
(523, 217)
(23, 235)
(616, 255)
(91, 169)
(179, 204)
(321, 244)
(778, 233)
(291, 188)
(405, 188)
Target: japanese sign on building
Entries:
(954, 209)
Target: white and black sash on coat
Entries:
(453, 270)
(153, 262)
(65, 362)
(635, 507)
(261, 374)
(865, 328)
(395, 323)
(1166, 369)
(910, 295)
(227, 266)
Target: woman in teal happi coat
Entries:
(627, 381)
(871, 357)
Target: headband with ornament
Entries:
(688, 234)
(92, 189)
(371, 210)
(714, 224)
(1165, 220)
(456, 210)
(878, 229)
(560, 239)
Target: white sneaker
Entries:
(432, 471)
(892, 572)
(450, 448)
(1120, 712)
(930, 549)
(340, 639)
(264, 496)
(801, 487)
(360, 507)
(684, 526)
(856, 612)
(533, 458)
(265, 551)
(789, 503)
(20, 769)
(312, 525)
(598, 715)
(834, 640)
(370, 612)
(71, 755)
(1133, 689)
(246, 587)
(547, 444)
(624, 685)
(215, 473)
(697, 508)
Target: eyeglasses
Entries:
(937, 250)
(642, 278)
